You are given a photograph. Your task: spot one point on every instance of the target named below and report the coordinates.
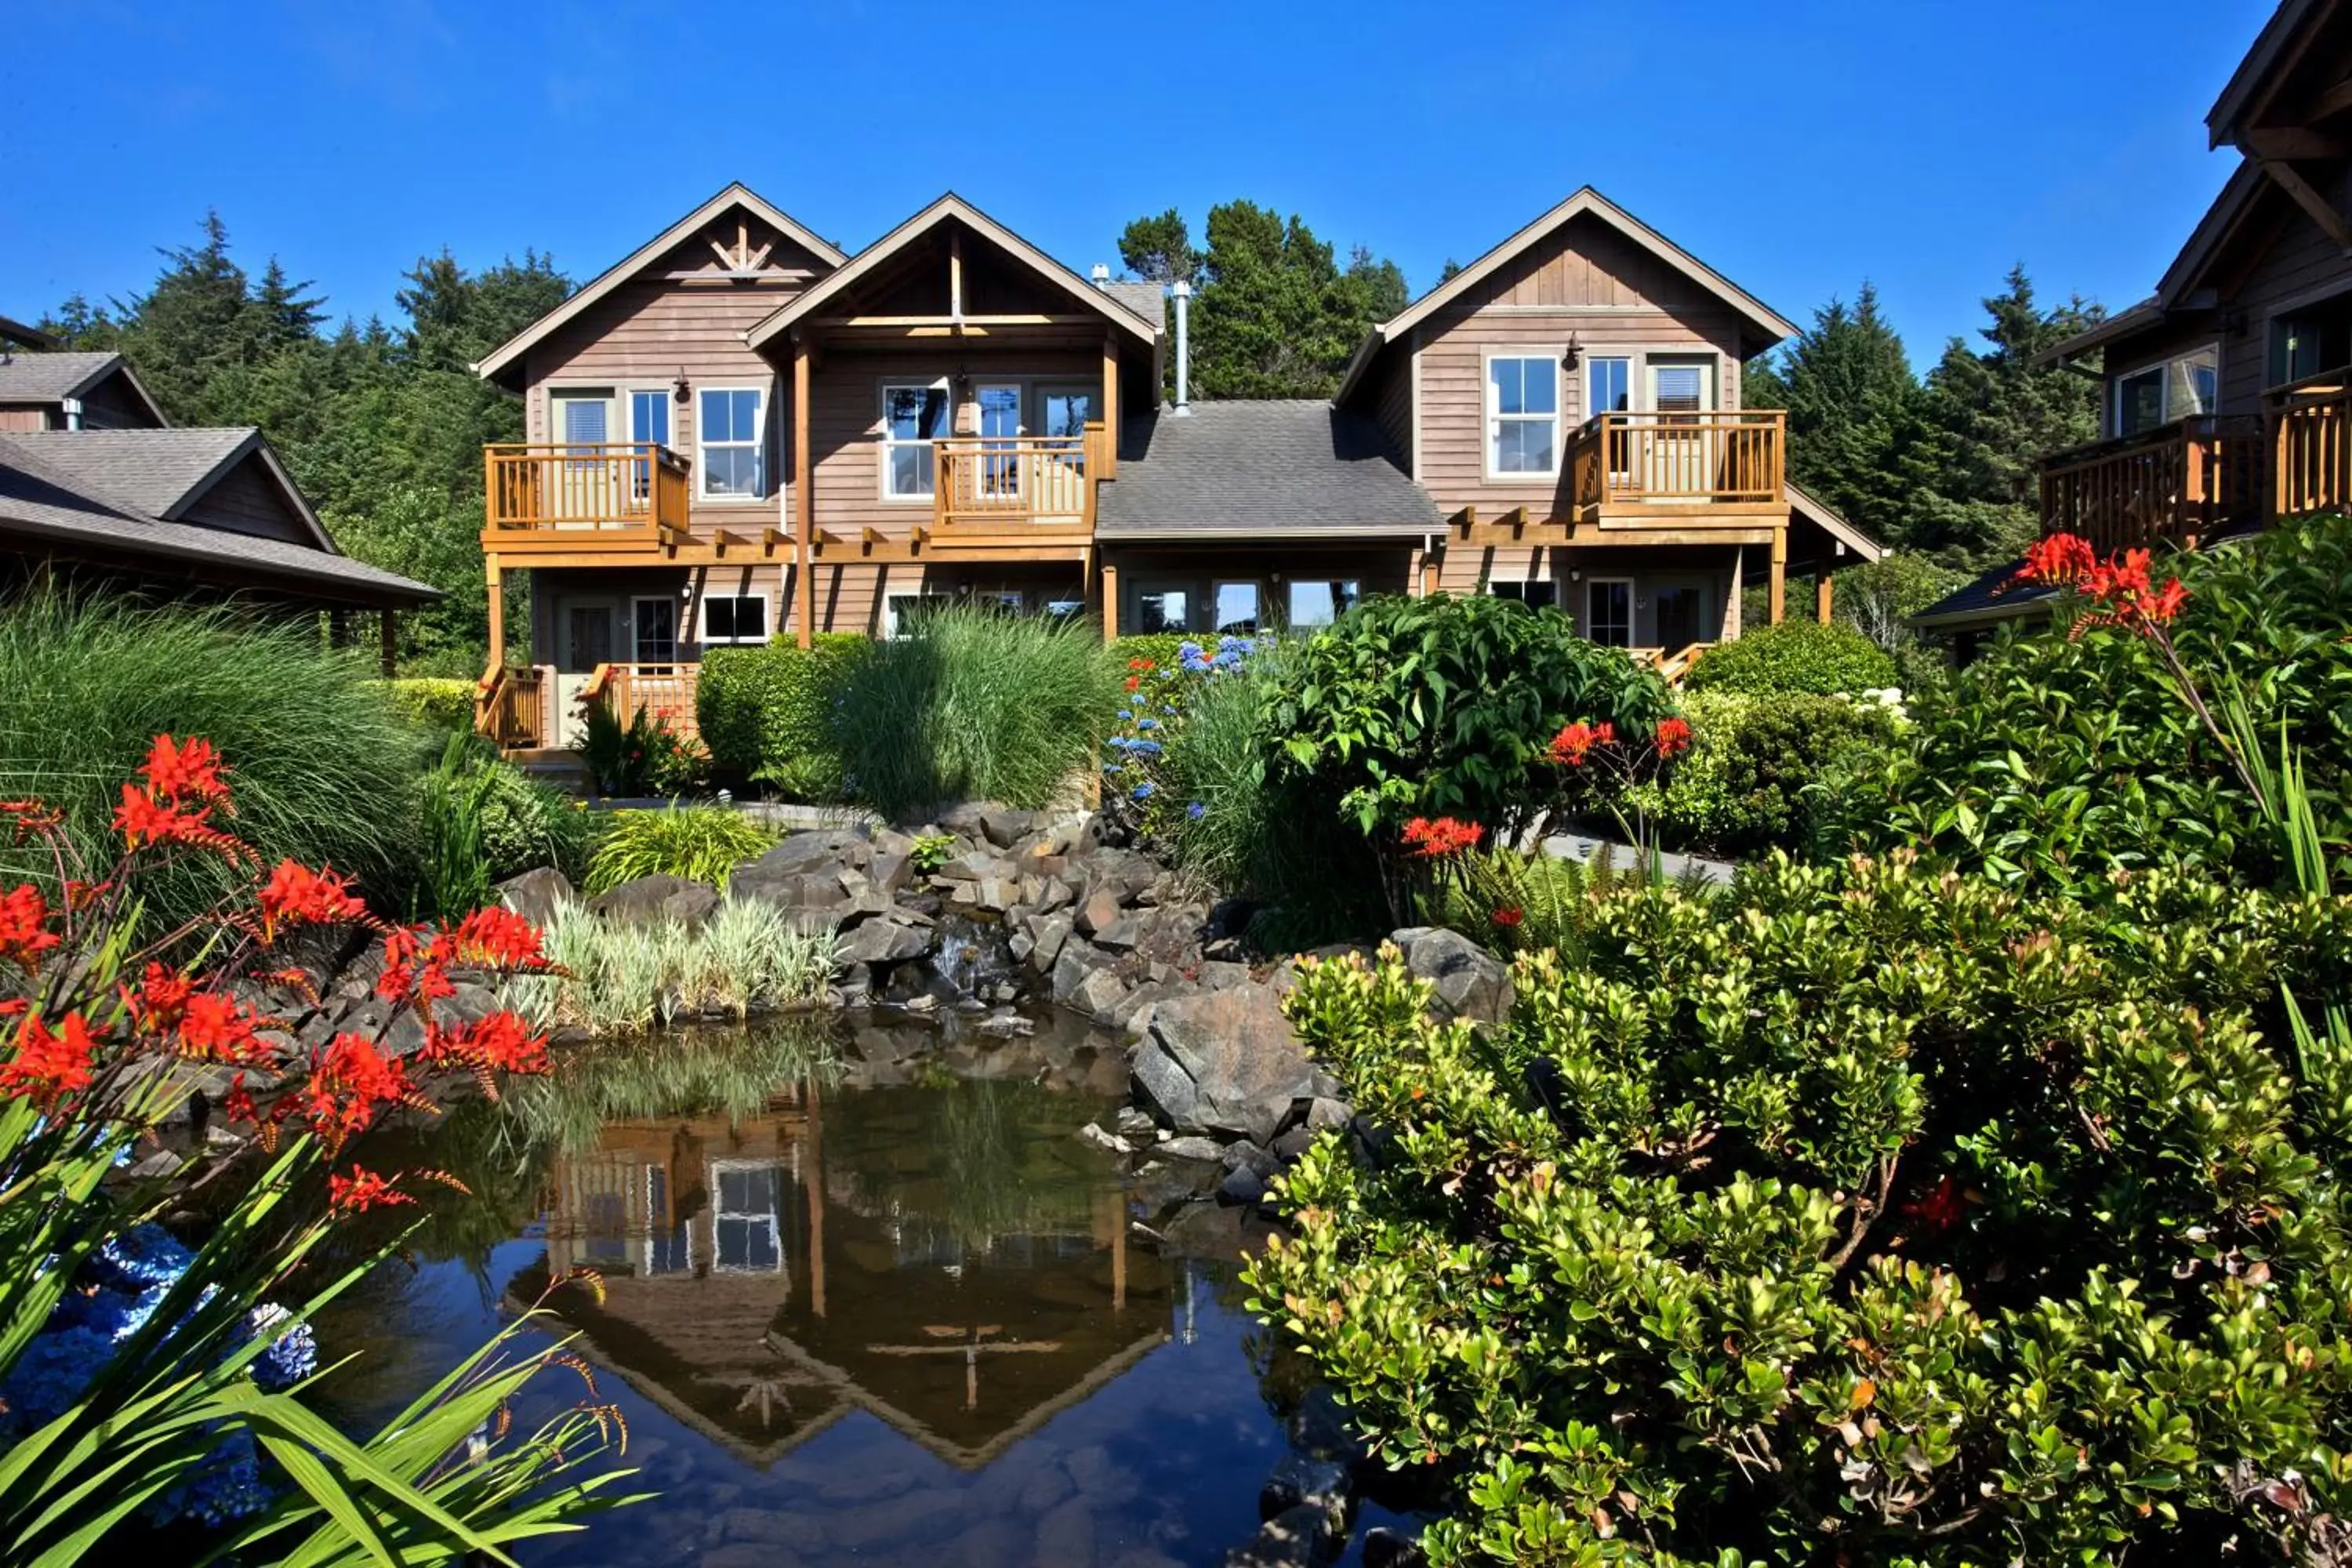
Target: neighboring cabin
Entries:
(96, 486)
(2226, 395)
(739, 432)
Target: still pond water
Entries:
(867, 1299)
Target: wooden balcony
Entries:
(665, 691)
(1025, 487)
(2173, 485)
(615, 496)
(1689, 466)
(2311, 435)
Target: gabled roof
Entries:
(162, 473)
(1766, 321)
(1815, 510)
(44, 506)
(2262, 71)
(15, 331)
(1271, 469)
(735, 195)
(952, 207)
(54, 377)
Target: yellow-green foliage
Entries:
(440, 703)
(700, 843)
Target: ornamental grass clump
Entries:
(151, 1382)
(614, 977)
(699, 843)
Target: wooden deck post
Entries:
(1431, 569)
(1109, 601)
(813, 1178)
(387, 626)
(1779, 580)
(803, 507)
(1823, 594)
(498, 612)
(1107, 462)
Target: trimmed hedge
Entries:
(762, 709)
(1745, 786)
(441, 704)
(1160, 647)
(1795, 656)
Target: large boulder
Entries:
(647, 899)
(816, 849)
(537, 893)
(884, 942)
(1224, 1061)
(1471, 982)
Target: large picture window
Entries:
(734, 617)
(913, 417)
(1523, 417)
(1322, 601)
(2178, 388)
(1608, 612)
(731, 453)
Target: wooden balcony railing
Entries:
(1031, 483)
(1673, 663)
(666, 692)
(2174, 485)
(1731, 459)
(628, 485)
(2311, 434)
(510, 708)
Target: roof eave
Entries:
(400, 592)
(1360, 365)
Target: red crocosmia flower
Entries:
(161, 999)
(213, 1028)
(362, 1191)
(1575, 742)
(144, 820)
(1508, 918)
(351, 1082)
(296, 895)
(184, 771)
(1141, 664)
(1134, 682)
(1940, 1208)
(494, 938)
(48, 1066)
(2062, 558)
(1443, 837)
(31, 816)
(24, 927)
(1674, 737)
(498, 1042)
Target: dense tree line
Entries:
(1941, 466)
(381, 424)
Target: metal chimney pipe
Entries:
(1183, 293)
(1101, 277)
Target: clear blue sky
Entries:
(1799, 146)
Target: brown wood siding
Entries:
(1393, 400)
(2299, 263)
(246, 500)
(112, 405)
(1706, 566)
(26, 417)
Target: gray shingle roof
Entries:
(1270, 468)
(154, 471)
(45, 505)
(1994, 597)
(1148, 300)
(51, 377)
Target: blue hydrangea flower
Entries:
(53, 1370)
(1196, 811)
(1126, 713)
(1147, 723)
(1145, 749)
(142, 1256)
(1112, 768)
(293, 1356)
(1143, 790)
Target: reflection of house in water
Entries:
(950, 1258)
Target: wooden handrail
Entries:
(2310, 435)
(2175, 484)
(532, 484)
(665, 691)
(509, 707)
(1737, 456)
(1039, 481)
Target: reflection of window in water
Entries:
(920, 1245)
(604, 1217)
(666, 1249)
(750, 1199)
(1011, 1251)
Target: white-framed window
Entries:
(746, 1236)
(902, 613)
(1536, 593)
(2178, 388)
(1523, 416)
(1319, 601)
(915, 415)
(1609, 611)
(648, 425)
(1160, 609)
(653, 625)
(730, 443)
(1236, 609)
(734, 617)
(1608, 385)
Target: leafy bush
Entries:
(699, 843)
(430, 703)
(484, 820)
(1750, 781)
(765, 711)
(1442, 707)
(973, 705)
(614, 976)
(1795, 656)
(1161, 651)
(325, 768)
(1880, 1216)
(645, 756)
(527, 823)
(2059, 757)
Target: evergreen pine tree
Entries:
(1853, 412)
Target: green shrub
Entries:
(432, 702)
(1158, 650)
(643, 757)
(1442, 707)
(764, 712)
(973, 705)
(1882, 1216)
(1749, 782)
(2057, 759)
(454, 874)
(527, 823)
(325, 770)
(1795, 656)
(699, 843)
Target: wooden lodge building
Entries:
(96, 485)
(2226, 396)
(739, 432)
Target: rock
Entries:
(536, 894)
(1242, 1186)
(1319, 1483)
(1292, 1145)
(1297, 1537)
(1071, 970)
(1101, 910)
(1051, 935)
(1471, 982)
(890, 872)
(821, 849)
(1121, 935)
(659, 897)
(817, 887)
(1099, 996)
(1203, 1149)
(1243, 1155)
(1216, 976)
(1090, 1133)
(1222, 1061)
(994, 894)
(1004, 826)
(1384, 1548)
(884, 942)
(1322, 1111)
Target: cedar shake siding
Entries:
(247, 500)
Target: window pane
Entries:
(1534, 445)
(1505, 376)
(751, 617)
(903, 409)
(2139, 402)
(1680, 388)
(1066, 413)
(1507, 447)
(1000, 411)
(649, 418)
(1237, 608)
(730, 471)
(1166, 611)
(583, 421)
(1320, 604)
(718, 618)
(1607, 381)
(1539, 386)
(937, 415)
(911, 471)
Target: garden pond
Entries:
(867, 1298)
